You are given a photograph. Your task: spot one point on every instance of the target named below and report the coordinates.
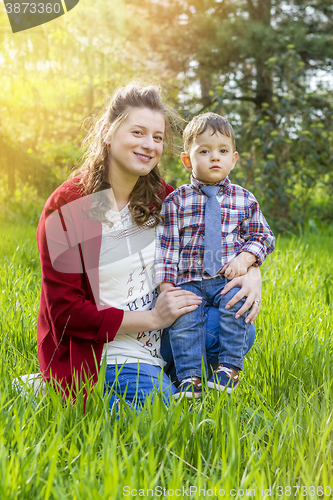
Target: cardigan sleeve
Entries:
(66, 297)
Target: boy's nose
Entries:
(215, 157)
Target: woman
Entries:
(96, 243)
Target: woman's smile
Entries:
(142, 157)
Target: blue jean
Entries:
(189, 333)
(135, 382)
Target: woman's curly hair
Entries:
(144, 201)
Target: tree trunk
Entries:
(260, 12)
(205, 85)
(264, 90)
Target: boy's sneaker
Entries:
(188, 388)
(224, 377)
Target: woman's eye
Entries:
(158, 138)
(137, 132)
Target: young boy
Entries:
(213, 231)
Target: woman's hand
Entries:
(172, 303)
(250, 285)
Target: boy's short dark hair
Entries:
(200, 123)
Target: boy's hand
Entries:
(239, 265)
(166, 286)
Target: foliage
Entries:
(53, 77)
(275, 430)
(257, 61)
(287, 147)
(228, 42)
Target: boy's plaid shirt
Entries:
(180, 241)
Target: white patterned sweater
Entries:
(125, 281)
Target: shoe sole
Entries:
(229, 389)
(187, 395)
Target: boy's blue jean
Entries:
(188, 335)
(136, 382)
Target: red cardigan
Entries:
(72, 326)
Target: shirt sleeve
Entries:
(167, 244)
(257, 233)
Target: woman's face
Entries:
(136, 146)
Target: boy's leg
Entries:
(187, 338)
(233, 333)
(213, 341)
(212, 344)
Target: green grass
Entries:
(275, 431)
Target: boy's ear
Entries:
(234, 159)
(186, 161)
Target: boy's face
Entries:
(211, 157)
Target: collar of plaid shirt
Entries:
(224, 185)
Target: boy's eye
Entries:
(224, 150)
(204, 151)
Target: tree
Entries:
(228, 42)
(52, 77)
(253, 60)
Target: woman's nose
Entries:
(148, 143)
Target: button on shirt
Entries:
(180, 240)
